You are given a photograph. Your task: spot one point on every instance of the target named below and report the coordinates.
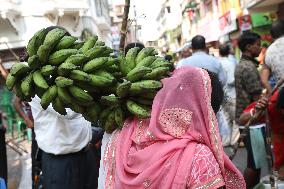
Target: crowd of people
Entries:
(208, 102)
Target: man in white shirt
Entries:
(274, 65)
(231, 136)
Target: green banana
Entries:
(150, 95)
(123, 88)
(53, 37)
(63, 81)
(157, 73)
(109, 124)
(18, 91)
(103, 115)
(64, 95)
(76, 59)
(107, 52)
(77, 45)
(138, 110)
(112, 62)
(137, 73)
(95, 64)
(35, 42)
(89, 43)
(43, 53)
(34, 62)
(93, 112)
(160, 64)
(10, 81)
(143, 101)
(95, 52)
(103, 73)
(19, 69)
(117, 75)
(65, 42)
(144, 86)
(86, 86)
(39, 80)
(146, 61)
(61, 55)
(110, 100)
(58, 106)
(79, 75)
(145, 52)
(130, 58)
(99, 81)
(99, 43)
(65, 68)
(27, 85)
(76, 107)
(119, 117)
(122, 64)
(48, 70)
(48, 97)
(80, 94)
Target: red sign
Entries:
(245, 22)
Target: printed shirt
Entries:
(274, 58)
(247, 84)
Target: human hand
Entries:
(262, 103)
(29, 123)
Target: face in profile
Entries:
(255, 48)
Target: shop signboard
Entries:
(245, 22)
(262, 19)
(209, 29)
(227, 23)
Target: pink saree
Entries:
(178, 147)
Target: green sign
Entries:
(262, 19)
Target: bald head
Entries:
(277, 29)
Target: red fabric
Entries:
(277, 127)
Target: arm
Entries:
(251, 112)
(18, 107)
(265, 78)
(3, 71)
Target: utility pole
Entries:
(123, 29)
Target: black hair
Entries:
(224, 50)
(247, 38)
(132, 45)
(168, 57)
(24, 56)
(217, 94)
(198, 42)
(277, 29)
(280, 99)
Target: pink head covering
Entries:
(158, 152)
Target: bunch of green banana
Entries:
(85, 77)
(138, 83)
(64, 73)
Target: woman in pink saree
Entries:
(178, 147)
